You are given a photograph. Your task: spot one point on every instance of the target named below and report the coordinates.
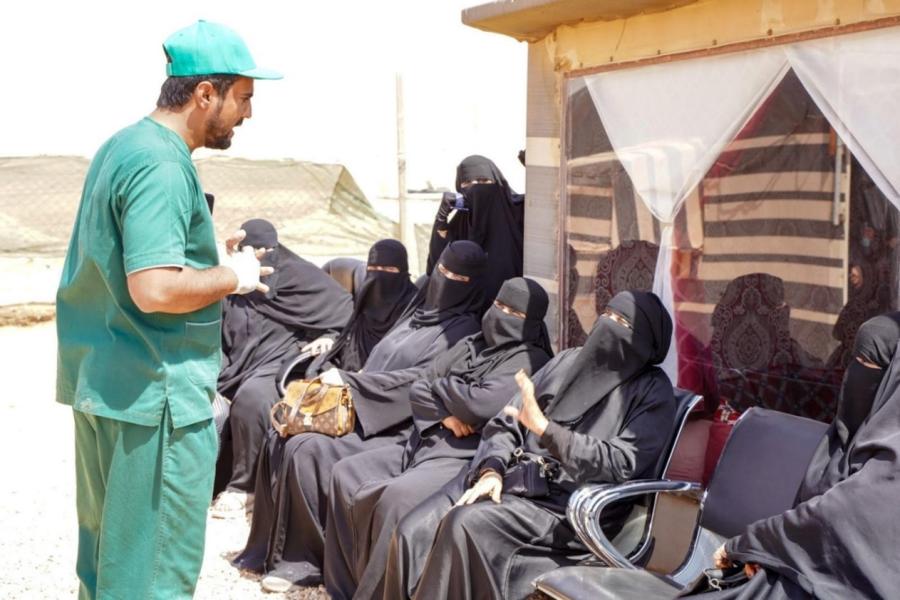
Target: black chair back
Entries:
(760, 469)
(685, 401)
(349, 272)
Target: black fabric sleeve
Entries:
(477, 402)
(381, 399)
(454, 229)
(819, 542)
(426, 410)
(472, 403)
(436, 245)
(501, 436)
(636, 448)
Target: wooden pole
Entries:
(405, 236)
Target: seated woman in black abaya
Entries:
(382, 297)
(840, 539)
(493, 217)
(294, 474)
(460, 392)
(259, 330)
(597, 414)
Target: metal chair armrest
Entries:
(588, 502)
(281, 385)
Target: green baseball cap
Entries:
(206, 48)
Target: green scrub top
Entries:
(142, 206)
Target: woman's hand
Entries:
(489, 484)
(720, 558)
(721, 561)
(319, 345)
(331, 377)
(530, 415)
(458, 428)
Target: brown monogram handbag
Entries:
(314, 406)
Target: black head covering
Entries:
(875, 342)
(613, 354)
(260, 234)
(503, 335)
(840, 540)
(444, 296)
(300, 294)
(380, 301)
(877, 338)
(526, 296)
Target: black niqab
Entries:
(526, 296)
(380, 301)
(613, 353)
(874, 343)
(444, 296)
(502, 335)
(840, 540)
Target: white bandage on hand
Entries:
(246, 267)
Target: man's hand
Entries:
(319, 345)
(530, 415)
(458, 428)
(489, 484)
(247, 269)
(331, 377)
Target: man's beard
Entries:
(218, 136)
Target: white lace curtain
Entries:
(669, 122)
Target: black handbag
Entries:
(529, 475)
(712, 580)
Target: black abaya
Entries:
(840, 539)
(288, 541)
(495, 550)
(372, 491)
(495, 220)
(258, 332)
(380, 300)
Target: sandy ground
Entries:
(37, 509)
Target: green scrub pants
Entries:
(142, 495)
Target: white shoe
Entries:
(275, 584)
(229, 505)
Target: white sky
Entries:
(75, 72)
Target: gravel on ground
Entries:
(37, 506)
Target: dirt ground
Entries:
(38, 532)
(37, 509)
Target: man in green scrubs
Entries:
(138, 324)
